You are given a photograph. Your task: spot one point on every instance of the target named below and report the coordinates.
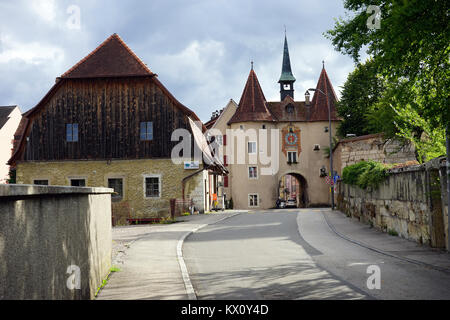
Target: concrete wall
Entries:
(6, 142)
(132, 172)
(43, 231)
(371, 147)
(409, 202)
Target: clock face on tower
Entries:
(291, 138)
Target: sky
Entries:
(200, 49)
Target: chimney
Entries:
(307, 94)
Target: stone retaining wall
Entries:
(409, 203)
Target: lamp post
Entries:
(331, 146)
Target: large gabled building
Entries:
(108, 121)
(302, 136)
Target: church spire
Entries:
(287, 79)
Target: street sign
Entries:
(189, 165)
(329, 181)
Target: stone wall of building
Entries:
(96, 173)
(51, 235)
(409, 203)
(371, 147)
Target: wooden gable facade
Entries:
(107, 95)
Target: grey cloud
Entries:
(228, 33)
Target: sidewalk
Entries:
(147, 258)
(374, 239)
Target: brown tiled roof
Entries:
(319, 103)
(280, 110)
(210, 123)
(112, 58)
(253, 105)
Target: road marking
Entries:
(184, 272)
(413, 261)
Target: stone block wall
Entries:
(50, 236)
(372, 147)
(407, 203)
(132, 172)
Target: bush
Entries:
(365, 174)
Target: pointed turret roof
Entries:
(112, 58)
(286, 72)
(320, 102)
(253, 105)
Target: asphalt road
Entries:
(293, 254)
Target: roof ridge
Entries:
(133, 54)
(92, 53)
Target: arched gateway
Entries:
(293, 186)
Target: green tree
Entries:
(361, 91)
(411, 46)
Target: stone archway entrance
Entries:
(293, 186)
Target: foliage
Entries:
(360, 92)
(12, 176)
(397, 114)
(411, 51)
(185, 214)
(365, 174)
(392, 232)
(326, 149)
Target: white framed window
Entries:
(152, 186)
(253, 172)
(251, 147)
(253, 200)
(292, 156)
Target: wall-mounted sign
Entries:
(189, 165)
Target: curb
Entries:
(417, 262)
(184, 272)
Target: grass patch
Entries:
(105, 282)
(392, 232)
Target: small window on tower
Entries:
(289, 108)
